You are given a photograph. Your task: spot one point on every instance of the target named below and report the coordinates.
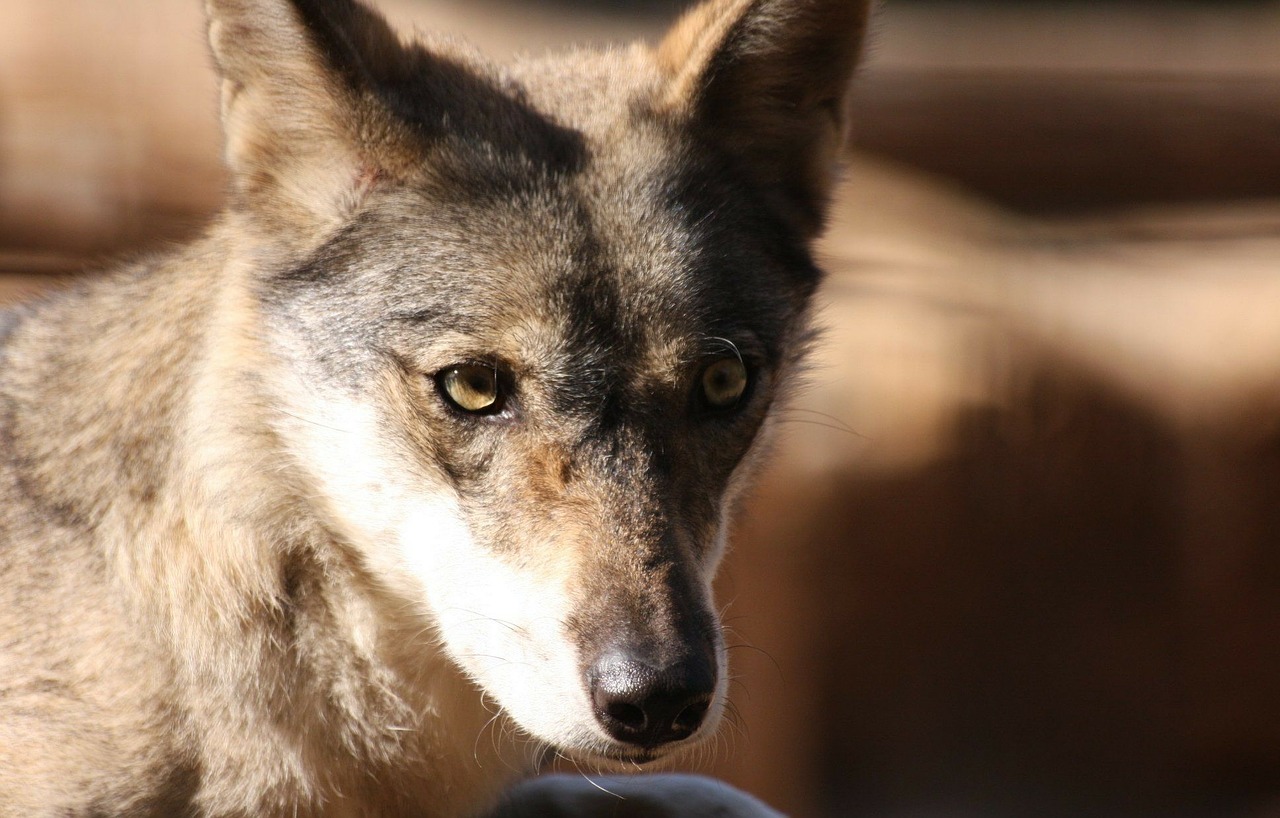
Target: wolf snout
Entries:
(646, 705)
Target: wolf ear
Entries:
(305, 134)
(769, 81)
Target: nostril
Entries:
(628, 716)
(690, 718)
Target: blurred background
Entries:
(1019, 553)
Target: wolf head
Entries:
(529, 323)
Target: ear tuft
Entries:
(769, 80)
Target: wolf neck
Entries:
(289, 661)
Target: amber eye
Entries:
(472, 388)
(724, 383)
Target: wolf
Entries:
(413, 471)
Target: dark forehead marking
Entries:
(754, 270)
(685, 252)
(586, 296)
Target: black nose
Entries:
(649, 706)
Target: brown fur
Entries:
(204, 608)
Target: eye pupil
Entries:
(471, 387)
(724, 383)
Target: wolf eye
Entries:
(724, 382)
(472, 388)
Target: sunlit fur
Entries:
(253, 562)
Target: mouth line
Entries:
(642, 757)
(637, 758)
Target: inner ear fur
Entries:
(305, 131)
(769, 81)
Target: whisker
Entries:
(841, 423)
(731, 345)
(821, 425)
(748, 646)
(315, 423)
(587, 778)
(475, 748)
(480, 617)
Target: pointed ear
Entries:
(305, 134)
(769, 81)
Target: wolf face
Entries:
(528, 326)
